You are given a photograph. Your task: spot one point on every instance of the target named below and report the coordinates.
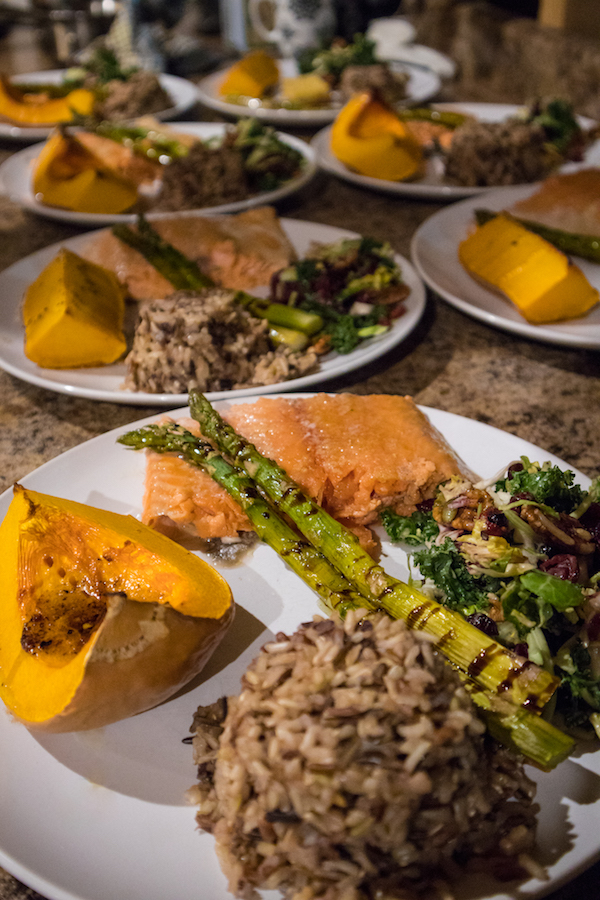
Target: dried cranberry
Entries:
(483, 623)
(591, 520)
(562, 565)
(496, 523)
(593, 627)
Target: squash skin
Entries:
(368, 137)
(69, 175)
(539, 279)
(16, 107)
(147, 646)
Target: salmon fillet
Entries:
(352, 454)
(240, 252)
(570, 202)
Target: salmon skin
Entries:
(352, 454)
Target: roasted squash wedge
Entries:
(73, 315)
(252, 76)
(31, 109)
(541, 280)
(368, 137)
(100, 616)
(69, 175)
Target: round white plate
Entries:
(434, 252)
(183, 95)
(101, 814)
(104, 383)
(15, 181)
(423, 84)
(432, 185)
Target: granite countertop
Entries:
(548, 395)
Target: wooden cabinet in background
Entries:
(581, 16)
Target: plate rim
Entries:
(17, 164)
(369, 351)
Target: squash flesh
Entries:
(159, 611)
(539, 279)
(73, 315)
(31, 109)
(69, 175)
(368, 136)
(252, 76)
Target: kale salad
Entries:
(519, 557)
(354, 285)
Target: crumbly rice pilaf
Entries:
(206, 341)
(353, 767)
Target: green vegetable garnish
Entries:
(546, 483)
(414, 530)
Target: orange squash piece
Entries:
(30, 109)
(69, 175)
(368, 137)
(100, 616)
(252, 76)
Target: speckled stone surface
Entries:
(544, 394)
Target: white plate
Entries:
(434, 252)
(183, 95)
(104, 383)
(101, 814)
(432, 186)
(15, 181)
(423, 84)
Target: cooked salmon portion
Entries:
(353, 454)
(569, 201)
(181, 500)
(240, 252)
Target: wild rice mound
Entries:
(352, 767)
(206, 341)
(490, 154)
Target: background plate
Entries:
(423, 84)
(15, 180)
(432, 186)
(434, 252)
(104, 383)
(182, 93)
(101, 814)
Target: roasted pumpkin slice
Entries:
(73, 314)
(368, 137)
(100, 616)
(542, 282)
(69, 175)
(31, 109)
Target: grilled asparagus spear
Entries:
(486, 661)
(181, 272)
(335, 591)
(585, 245)
(289, 326)
(536, 739)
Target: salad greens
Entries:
(330, 62)
(520, 559)
(354, 285)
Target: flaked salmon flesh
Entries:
(353, 454)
